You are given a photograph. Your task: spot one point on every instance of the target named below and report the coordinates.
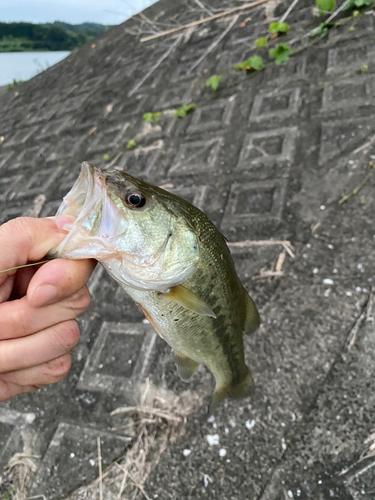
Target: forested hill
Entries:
(28, 37)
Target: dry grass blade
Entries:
(357, 188)
(100, 470)
(144, 410)
(258, 243)
(267, 274)
(158, 420)
(20, 471)
(205, 20)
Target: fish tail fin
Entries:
(241, 389)
(186, 367)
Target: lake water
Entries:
(25, 65)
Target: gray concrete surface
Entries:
(268, 157)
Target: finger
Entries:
(28, 239)
(58, 279)
(9, 390)
(48, 373)
(34, 350)
(21, 282)
(19, 319)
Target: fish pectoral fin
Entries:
(242, 389)
(186, 367)
(186, 298)
(252, 320)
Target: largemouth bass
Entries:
(173, 262)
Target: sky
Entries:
(71, 11)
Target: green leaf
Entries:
(151, 116)
(321, 30)
(325, 5)
(131, 144)
(277, 27)
(106, 157)
(261, 42)
(281, 53)
(256, 63)
(185, 109)
(213, 82)
(357, 3)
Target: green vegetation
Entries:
(321, 30)
(281, 53)
(151, 116)
(326, 5)
(131, 144)
(28, 37)
(278, 27)
(185, 110)
(357, 4)
(261, 42)
(14, 84)
(255, 63)
(213, 82)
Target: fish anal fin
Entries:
(186, 367)
(242, 389)
(252, 320)
(188, 299)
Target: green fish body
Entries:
(184, 282)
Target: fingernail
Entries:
(63, 220)
(44, 295)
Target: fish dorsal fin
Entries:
(186, 298)
(252, 320)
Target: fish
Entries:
(174, 263)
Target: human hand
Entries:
(38, 306)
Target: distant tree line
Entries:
(28, 37)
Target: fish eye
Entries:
(135, 199)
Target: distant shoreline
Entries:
(47, 37)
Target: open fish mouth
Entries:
(97, 219)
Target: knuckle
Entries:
(20, 225)
(80, 301)
(66, 334)
(17, 320)
(58, 368)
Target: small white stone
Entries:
(145, 321)
(186, 453)
(226, 430)
(72, 455)
(322, 207)
(335, 271)
(327, 292)
(315, 271)
(211, 419)
(206, 479)
(213, 439)
(30, 417)
(222, 452)
(359, 266)
(250, 424)
(330, 247)
(290, 494)
(328, 281)
(348, 293)
(92, 462)
(358, 289)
